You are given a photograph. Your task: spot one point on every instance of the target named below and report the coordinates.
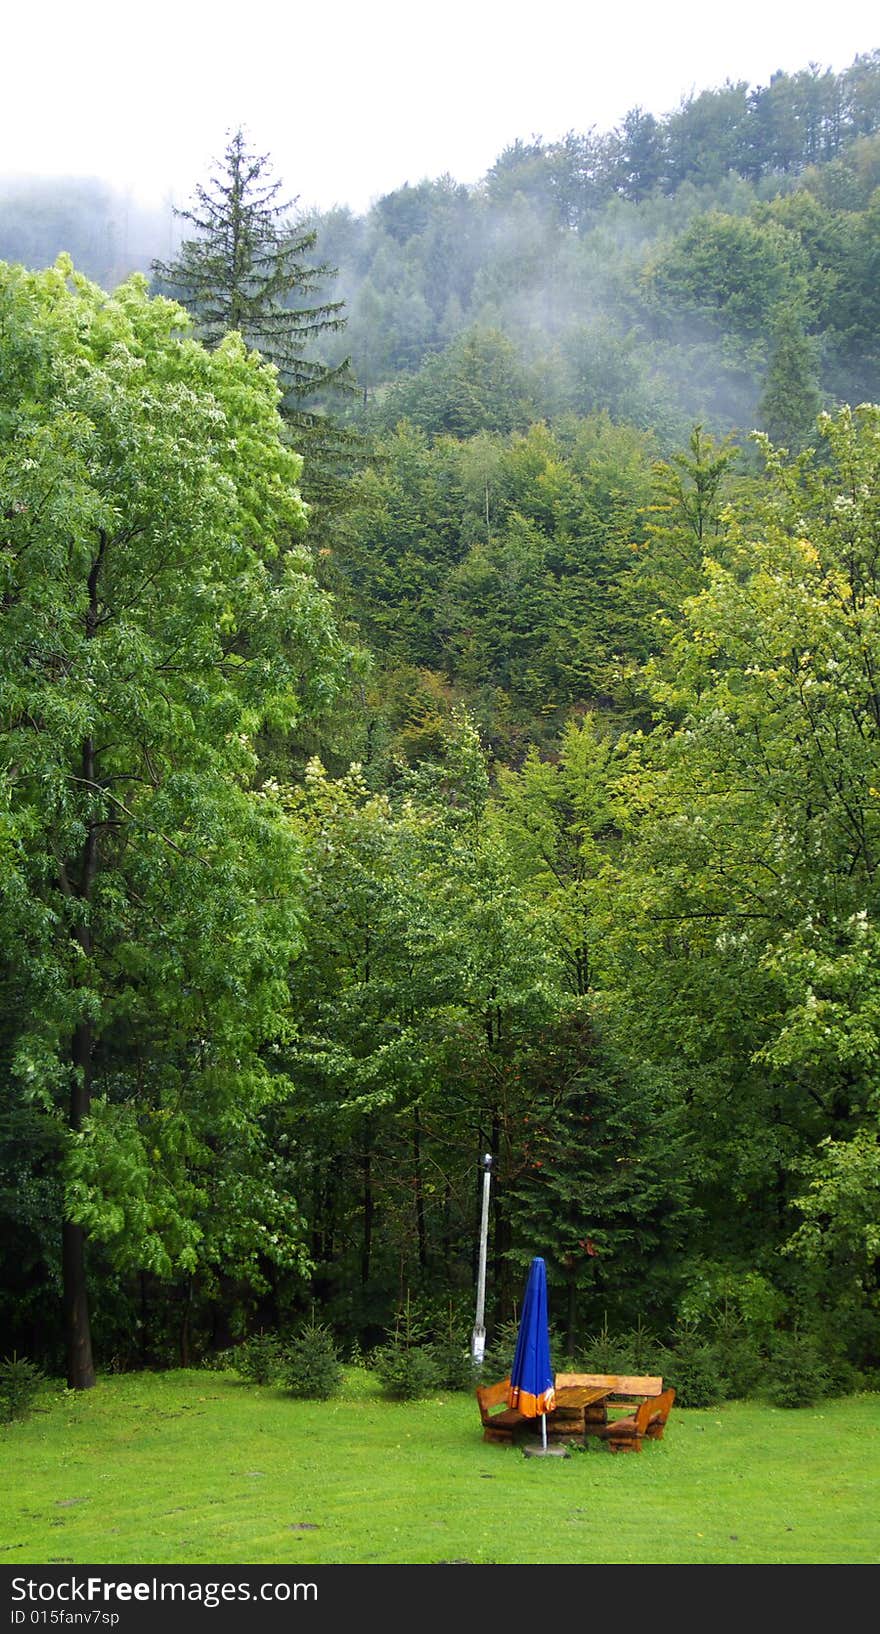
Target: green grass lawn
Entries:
(198, 1468)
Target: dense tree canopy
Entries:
(578, 866)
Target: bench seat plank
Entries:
(617, 1384)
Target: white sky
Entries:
(353, 99)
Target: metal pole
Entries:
(478, 1338)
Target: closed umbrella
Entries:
(531, 1388)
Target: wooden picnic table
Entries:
(571, 1394)
(582, 1408)
(583, 1399)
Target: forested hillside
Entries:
(517, 792)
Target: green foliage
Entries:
(311, 1366)
(734, 1310)
(405, 1364)
(220, 1361)
(737, 925)
(742, 271)
(499, 565)
(261, 1359)
(840, 1209)
(642, 1350)
(500, 1350)
(20, 1384)
(741, 1363)
(621, 1350)
(791, 400)
(686, 522)
(601, 1351)
(598, 890)
(799, 1374)
(453, 1366)
(406, 1372)
(448, 1324)
(478, 384)
(160, 615)
(244, 270)
(692, 1367)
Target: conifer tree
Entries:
(246, 269)
(791, 400)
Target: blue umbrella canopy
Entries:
(531, 1388)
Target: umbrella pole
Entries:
(544, 1431)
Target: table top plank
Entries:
(579, 1395)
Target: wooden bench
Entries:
(503, 1423)
(649, 1420)
(618, 1390)
(625, 1386)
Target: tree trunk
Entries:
(185, 1325)
(571, 1316)
(77, 1328)
(145, 1321)
(366, 1169)
(421, 1231)
(78, 1334)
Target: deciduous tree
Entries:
(157, 613)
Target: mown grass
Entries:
(198, 1468)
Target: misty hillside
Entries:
(653, 271)
(524, 352)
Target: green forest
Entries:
(440, 715)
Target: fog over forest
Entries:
(641, 270)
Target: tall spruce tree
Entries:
(246, 269)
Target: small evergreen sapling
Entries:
(311, 1367)
(20, 1383)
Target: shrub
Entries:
(259, 1359)
(405, 1363)
(740, 1364)
(356, 1355)
(406, 1372)
(692, 1368)
(311, 1368)
(798, 1373)
(20, 1383)
(604, 1352)
(640, 1351)
(453, 1367)
(498, 1359)
(219, 1361)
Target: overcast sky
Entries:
(353, 99)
